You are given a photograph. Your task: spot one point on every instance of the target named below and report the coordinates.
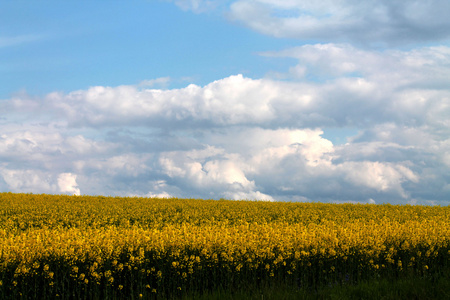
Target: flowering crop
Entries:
(110, 247)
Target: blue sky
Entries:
(286, 100)
(73, 45)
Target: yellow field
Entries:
(106, 247)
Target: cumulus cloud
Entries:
(340, 85)
(38, 181)
(401, 116)
(244, 138)
(378, 176)
(365, 22)
(67, 183)
(27, 180)
(219, 103)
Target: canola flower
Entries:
(111, 247)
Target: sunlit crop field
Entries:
(83, 247)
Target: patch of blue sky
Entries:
(339, 135)
(116, 43)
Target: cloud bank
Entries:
(371, 23)
(245, 138)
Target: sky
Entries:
(275, 100)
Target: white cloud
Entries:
(161, 195)
(427, 66)
(246, 138)
(340, 86)
(281, 162)
(365, 22)
(232, 100)
(26, 180)
(67, 183)
(248, 196)
(239, 137)
(225, 172)
(37, 181)
(379, 176)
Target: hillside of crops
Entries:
(95, 247)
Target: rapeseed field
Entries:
(95, 247)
